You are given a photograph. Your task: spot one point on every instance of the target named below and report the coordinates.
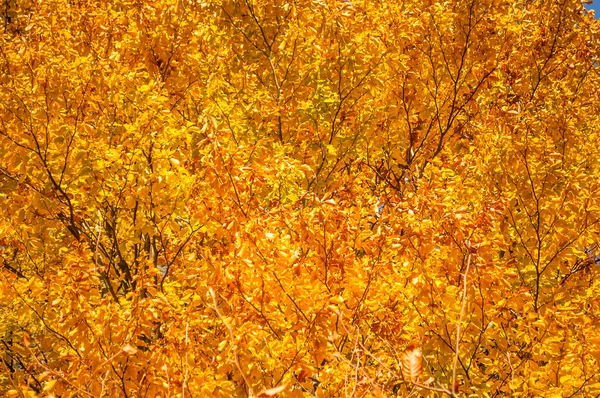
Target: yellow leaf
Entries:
(49, 385)
(565, 378)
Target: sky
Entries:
(594, 6)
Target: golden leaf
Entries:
(151, 155)
(49, 385)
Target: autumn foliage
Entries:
(324, 198)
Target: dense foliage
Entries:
(299, 198)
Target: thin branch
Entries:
(462, 313)
(231, 341)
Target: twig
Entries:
(458, 325)
(231, 341)
(512, 370)
(185, 377)
(59, 374)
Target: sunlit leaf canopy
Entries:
(299, 199)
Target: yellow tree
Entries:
(299, 198)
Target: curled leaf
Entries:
(128, 349)
(271, 392)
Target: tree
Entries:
(307, 198)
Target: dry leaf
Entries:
(302, 375)
(412, 362)
(456, 386)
